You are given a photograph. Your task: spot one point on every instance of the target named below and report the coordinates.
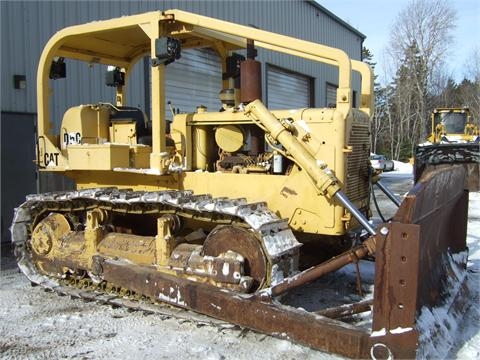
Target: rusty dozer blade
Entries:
(419, 267)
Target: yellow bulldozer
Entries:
(454, 139)
(217, 212)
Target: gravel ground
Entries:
(37, 324)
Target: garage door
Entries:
(195, 79)
(288, 90)
(331, 97)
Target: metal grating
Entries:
(357, 162)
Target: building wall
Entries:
(26, 26)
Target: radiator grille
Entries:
(357, 182)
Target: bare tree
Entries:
(472, 66)
(471, 94)
(428, 24)
(419, 41)
(380, 126)
(442, 89)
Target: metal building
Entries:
(26, 26)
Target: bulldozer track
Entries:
(275, 234)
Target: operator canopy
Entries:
(122, 41)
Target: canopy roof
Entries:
(121, 41)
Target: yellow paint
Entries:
(98, 157)
(123, 132)
(317, 140)
(468, 133)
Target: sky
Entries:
(375, 18)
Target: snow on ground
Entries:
(468, 343)
(402, 168)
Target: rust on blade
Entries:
(396, 283)
(440, 207)
(249, 311)
(412, 268)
